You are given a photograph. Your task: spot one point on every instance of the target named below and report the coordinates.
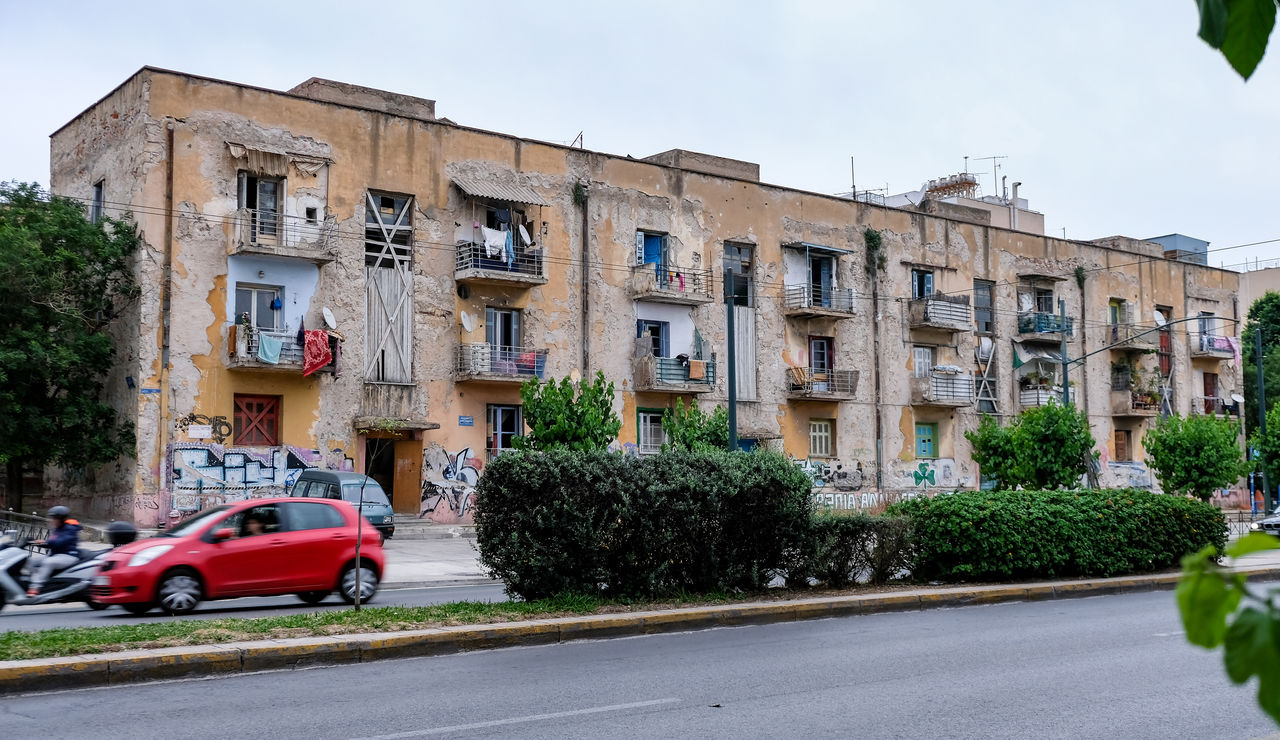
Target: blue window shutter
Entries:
(639, 328)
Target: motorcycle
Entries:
(70, 584)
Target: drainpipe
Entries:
(875, 374)
(166, 295)
(586, 285)
(1013, 208)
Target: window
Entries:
(822, 438)
(820, 354)
(302, 516)
(984, 301)
(1207, 325)
(738, 261)
(388, 257)
(1210, 393)
(1165, 350)
(650, 435)
(504, 426)
(1124, 445)
(261, 302)
(921, 283)
(651, 249)
(822, 271)
(1044, 300)
(261, 196)
(657, 333)
(311, 215)
(926, 440)
(256, 421)
(388, 231)
(99, 199)
(502, 327)
(266, 517)
(921, 361)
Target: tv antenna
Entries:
(995, 167)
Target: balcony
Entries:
(948, 313)
(1214, 405)
(822, 385)
(502, 364)
(244, 354)
(942, 388)
(1126, 337)
(511, 266)
(1043, 326)
(667, 283)
(272, 234)
(1212, 347)
(673, 374)
(1039, 395)
(802, 301)
(1133, 403)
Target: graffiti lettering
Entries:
(449, 480)
(205, 474)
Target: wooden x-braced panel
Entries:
(388, 289)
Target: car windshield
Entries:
(192, 523)
(372, 493)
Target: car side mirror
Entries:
(221, 535)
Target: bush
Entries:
(998, 535)
(843, 548)
(597, 522)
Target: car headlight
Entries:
(151, 553)
(387, 519)
(1255, 525)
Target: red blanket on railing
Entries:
(315, 350)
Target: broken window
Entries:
(261, 197)
(738, 263)
(921, 283)
(984, 301)
(388, 231)
(657, 333)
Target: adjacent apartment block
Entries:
(335, 277)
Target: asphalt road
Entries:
(30, 618)
(1114, 666)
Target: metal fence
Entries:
(831, 299)
(274, 229)
(482, 358)
(522, 262)
(1039, 322)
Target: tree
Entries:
(1043, 448)
(1264, 316)
(695, 430)
(1268, 446)
(1195, 454)
(1239, 29)
(568, 415)
(64, 282)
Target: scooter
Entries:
(71, 584)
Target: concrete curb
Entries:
(111, 669)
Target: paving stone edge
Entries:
(109, 669)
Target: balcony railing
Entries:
(1040, 322)
(273, 233)
(942, 389)
(1214, 405)
(246, 350)
(1039, 395)
(1212, 345)
(674, 374)
(942, 312)
(1132, 336)
(498, 362)
(807, 382)
(667, 282)
(803, 300)
(511, 265)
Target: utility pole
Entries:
(1262, 412)
(729, 303)
(1062, 328)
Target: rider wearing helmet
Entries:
(64, 548)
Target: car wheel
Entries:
(368, 584)
(179, 593)
(137, 609)
(312, 597)
(94, 605)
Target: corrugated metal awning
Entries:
(498, 191)
(802, 246)
(1024, 353)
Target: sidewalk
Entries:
(435, 561)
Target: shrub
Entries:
(596, 522)
(996, 535)
(845, 547)
(568, 415)
(1195, 454)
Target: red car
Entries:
(260, 547)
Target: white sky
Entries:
(1116, 118)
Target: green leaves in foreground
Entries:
(1239, 29)
(1209, 596)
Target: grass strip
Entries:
(60, 642)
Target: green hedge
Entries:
(988, 535)
(845, 548)
(559, 522)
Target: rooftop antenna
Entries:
(995, 166)
(578, 141)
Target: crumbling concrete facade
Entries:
(440, 266)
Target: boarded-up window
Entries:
(388, 253)
(257, 420)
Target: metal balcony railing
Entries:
(796, 297)
(482, 358)
(290, 356)
(941, 310)
(1040, 322)
(274, 229)
(1214, 405)
(1211, 345)
(954, 387)
(517, 261)
(810, 381)
(669, 280)
(1133, 335)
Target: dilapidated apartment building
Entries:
(333, 276)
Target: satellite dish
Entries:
(1237, 398)
(468, 323)
(1160, 319)
(983, 350)
(329, 321)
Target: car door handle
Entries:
(277, 542)
(339, 535)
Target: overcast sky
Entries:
(1116, 118)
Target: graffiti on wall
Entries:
(1130, 475)
(218, 426)
(207, 474)
(931, 473)
(829, 474)
(448, 484)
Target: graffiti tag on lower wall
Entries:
(832, 474)
(1129, 475)
(207, 474)
(449, 485)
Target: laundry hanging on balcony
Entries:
(269, 348)
(315, 352)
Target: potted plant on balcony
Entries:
(245, 332)
(1034, 380)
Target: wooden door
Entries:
(406, 489)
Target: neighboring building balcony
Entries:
(667, 283)
(1215, 406)
(1212, 347)
(484, 361)
(830, 385)
(1132, 403)
(1039, 395)
(274, 235)
(802, 301)
(949, 313)
(673, 374)
(942, 389)
(1126, 337)
(246, 351)
(477, 263)
(1042, 326)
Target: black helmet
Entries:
(59, 512)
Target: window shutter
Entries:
(639, 247)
